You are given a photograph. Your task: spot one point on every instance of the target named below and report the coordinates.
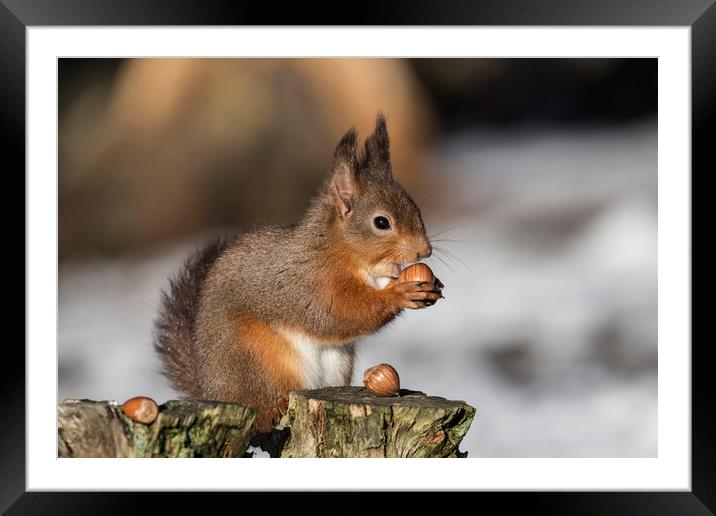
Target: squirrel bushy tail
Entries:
(174, 326)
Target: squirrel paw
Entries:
(418, 294)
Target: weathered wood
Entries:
(352, 422)
(182, 429)
(330, 422)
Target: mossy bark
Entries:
(351, 422)
(330, 422)
(182, 429)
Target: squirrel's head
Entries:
(377, 218)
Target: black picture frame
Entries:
(17, 15)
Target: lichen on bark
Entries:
(351, 422)
(182, 429)
(329, 422)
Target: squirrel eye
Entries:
(381, 223)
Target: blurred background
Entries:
(538, 178)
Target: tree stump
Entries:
(352, 422)
(182, 429)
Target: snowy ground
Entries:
(548, 328)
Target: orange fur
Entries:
(351, 299)
(273, 352)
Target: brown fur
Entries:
(309, 276)
(174, 326)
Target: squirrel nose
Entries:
(426, 251)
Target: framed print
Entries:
(537, 158)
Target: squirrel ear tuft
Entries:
(344, 184)
(346, 150)
(377, 146)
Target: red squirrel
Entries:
(278, 309)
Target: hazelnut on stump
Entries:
(382, 380)
(141, 409)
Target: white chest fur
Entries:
(323, 364)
